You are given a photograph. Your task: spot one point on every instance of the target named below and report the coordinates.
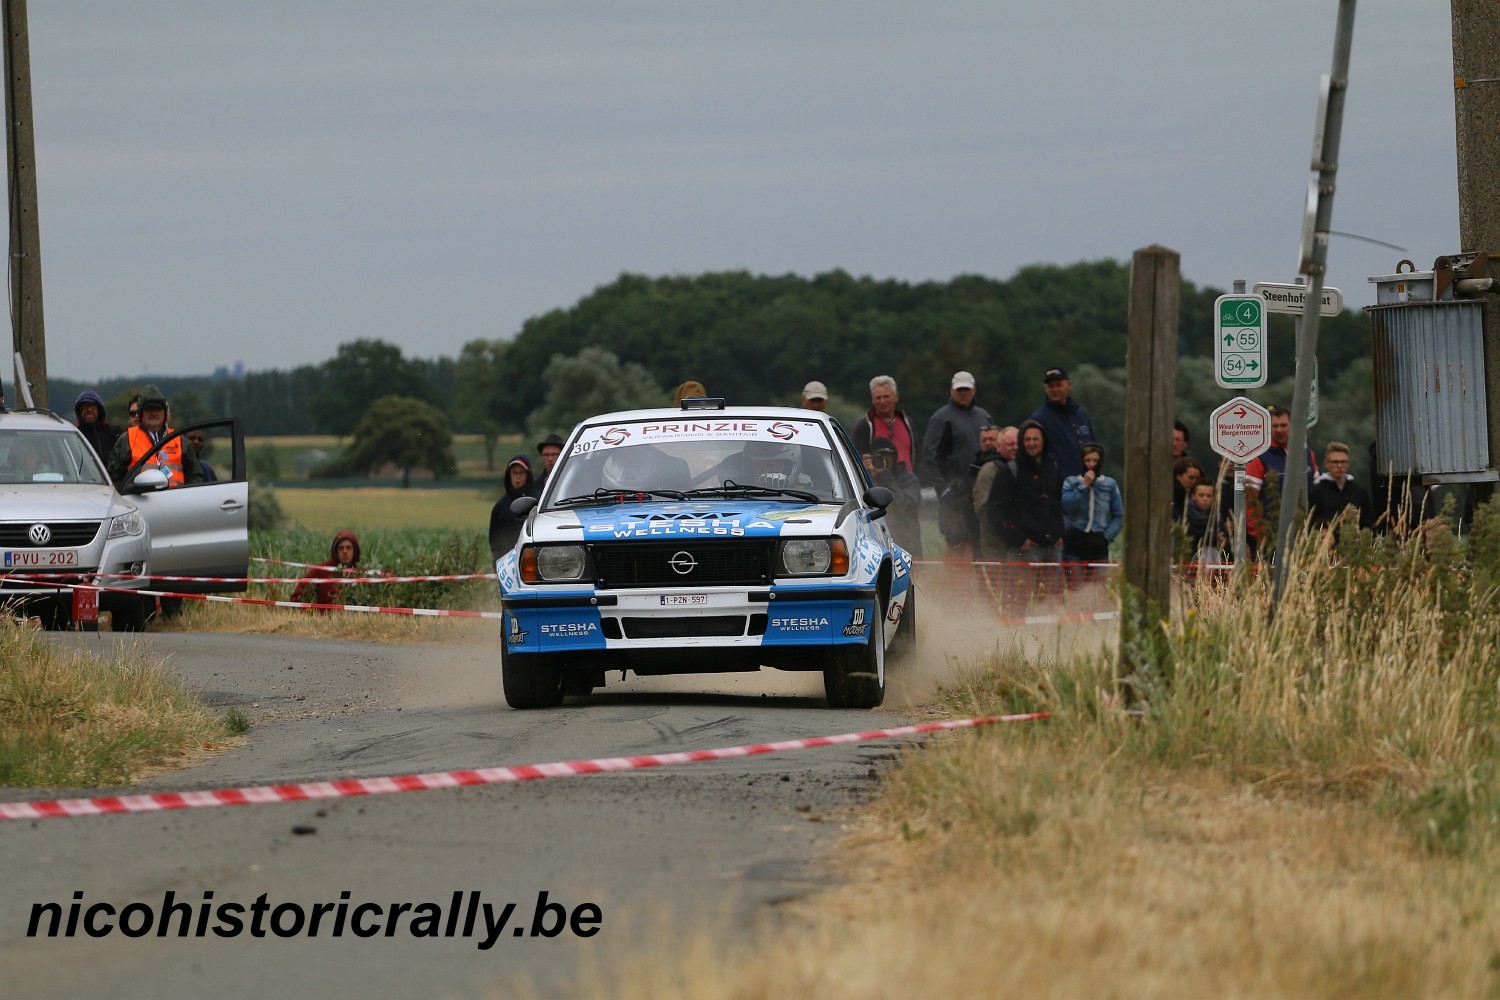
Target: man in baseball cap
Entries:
(815, 396)
(948, 449)
(1067, 427)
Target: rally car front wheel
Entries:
(854, 677)
(533, 680)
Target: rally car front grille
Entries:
(687, 563)
(684, 628)
(62, 534)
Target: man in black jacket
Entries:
(93, 421)
(1026, 507)
(1028, 514)
(1335, 490)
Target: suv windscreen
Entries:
(48, 456)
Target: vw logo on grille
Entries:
(39, 534)
(682, 563)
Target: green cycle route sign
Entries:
(1239, 341)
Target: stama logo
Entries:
(782, 431)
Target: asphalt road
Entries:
(658, 852)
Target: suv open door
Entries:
(198, 529)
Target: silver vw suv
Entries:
(62, 522)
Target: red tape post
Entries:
(261, 794)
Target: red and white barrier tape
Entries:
(260, 794)
(261, 579)
(1081, 616)
(266, 603)
(281, 562)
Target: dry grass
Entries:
(1307, 807)
(1080, 884)
(216, 616)
(71, 720)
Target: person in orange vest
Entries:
(175, 458)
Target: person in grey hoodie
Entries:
(93, 421)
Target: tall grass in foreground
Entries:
(71, 719)
(1377, 676)
(1300, 806)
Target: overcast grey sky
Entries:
(258, 183)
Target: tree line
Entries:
(758, 338)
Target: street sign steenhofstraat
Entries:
(1279, 298)
(1240, 429)
(1239, 341)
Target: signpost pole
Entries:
(1238, 541)
(1314, 255)
(1239, 520)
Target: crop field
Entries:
(365, 507)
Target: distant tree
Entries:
(407, 432)
(477, 384)
(363, 371)
(1102, 393)
(591, 381)
(188, 407)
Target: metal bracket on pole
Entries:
(23, 384)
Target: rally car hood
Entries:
(59, 502)
(706, 519)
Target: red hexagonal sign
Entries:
(1240, 429)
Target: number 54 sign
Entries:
(1239, 341)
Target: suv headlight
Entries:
(127, 524)
(814, 557)
(554, 563)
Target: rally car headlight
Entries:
(553, 563)
(814, 557)
(127, 524)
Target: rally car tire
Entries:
(904, 643)
(531, 681)
(855, 679)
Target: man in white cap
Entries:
(948, 449)
(815, 396)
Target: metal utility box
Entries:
(1427, 342)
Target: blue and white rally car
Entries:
(705, 539)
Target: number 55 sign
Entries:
(1239, 341)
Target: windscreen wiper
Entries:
(603, 497)
(730, 488)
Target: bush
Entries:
(265, 512)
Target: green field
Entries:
(294, 455)
(363, 508)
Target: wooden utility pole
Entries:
(28, 333)
(1476, 112)
(1150, 405)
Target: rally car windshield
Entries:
(771, 459)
